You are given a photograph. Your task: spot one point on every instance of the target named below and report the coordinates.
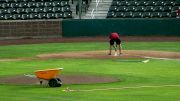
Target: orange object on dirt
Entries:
(48, 73)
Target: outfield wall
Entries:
(127, 27)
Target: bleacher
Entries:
(34, 9)
(143, 9)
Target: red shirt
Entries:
(178, 12)
(114, 35)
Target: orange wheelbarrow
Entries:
(50, 75)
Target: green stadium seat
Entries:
(21, 10)
(42, 15)
(12, 10)
(4, 11)
(48, 4)
(9, 17)
(149, 9)
(158, 9)
(68, 14)
(137, 14)
(51, 15)
(150, 3)
(169, 3)
(39, 10)
(17, 16)
(25, 16)
(66, 8)
(57, 3)
(15, 5)
(6, 5)
(110, 14)
(122, 8)
(167, 8)
(131, 8)
(2, 1)
(31, 4)
(155, 15)
(124, 3)
(177, 3)
(48, 9)
(159, 3)
(34, 16)
(115, 3)
(175, 8)
(2, 17)
(146, 15)
(64, 3)
(119, 14)
(59, 15)
(40, 4)
(132, 3)
(174, 14)
(10, 1)
(140, 8)
(30, 10)
(1, 5)
(113, 8)
(165, 14)
(128, 14)
(57, 9)
(23, 4)
(141, 3)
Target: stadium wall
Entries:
(126, 27)
(10, 29)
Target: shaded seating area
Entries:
(34, 9)
(143, 9)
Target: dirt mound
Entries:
(70, 79)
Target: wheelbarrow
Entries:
(50, 75)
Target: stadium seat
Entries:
(1, 5)
(64, 3)
(15, 5)
(42, 15)
(141, 3)
(48, 4)
(21, 10)
(174, 14)
(122, 8)
(57, 3)
(68, 14)
(66, 8)
(113, 8)
(110, 14)
(48, 9)
(57, 9)
(51, 15)
(40, 4)
(169, 3)
(23, 4)
(31, 4)
(19, 0)
(158, 9)
(115, 3)
(146, 15)
(59, 15)
(132, 3)
(2, 17)
(165, 14)
(128, 15)
(17, 16)
(39, 10)
(124, 3)
(10, 1)
(175, 8)
(149, 9)
(2, 1)
(119, 14)
(30, 10)
(130, 8)
(12, 10)
(155, 15)
(140, 8)
(9, 17)
(177, 3)
(34, 16)
(150, 3)
(159, 3)
(4, 11)
(167, 8)
(25, 16)
(6, 5)
(137, 14)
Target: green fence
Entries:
(128, 27)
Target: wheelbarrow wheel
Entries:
(55, 82)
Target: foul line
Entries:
(120, 88)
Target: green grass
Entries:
(15, 51)
(130, 74)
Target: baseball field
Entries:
(146, 71)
